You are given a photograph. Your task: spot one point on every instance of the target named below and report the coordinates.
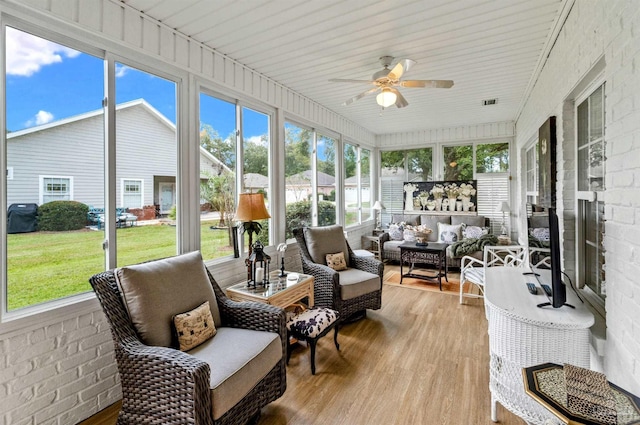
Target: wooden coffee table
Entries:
(433, 253)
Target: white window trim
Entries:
(41, 186)
(122, 190)
(9, 173)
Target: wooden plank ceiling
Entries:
(490, 48)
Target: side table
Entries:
(372, 244)
(281, 292)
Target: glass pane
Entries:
(458, 162)
(583, 123)
(326, 148)
(392, 163)
(596, 166)
(420, 164)
(255, 132)
(596, 118)
(217, 176)
(298, 144)
(583, 168)
(56, 162)
(350, 189)
(365, 183)
(144, 102)
(492, 158)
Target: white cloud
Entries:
(42, 117)
(257, 140)
(26, 53)
(121, 70)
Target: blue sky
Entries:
(47, 82)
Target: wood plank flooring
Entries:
(421, 359)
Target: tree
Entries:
(458, 162)
(420, 161)
(492, 158)
(256, 157)
(219, 191)
(392, 159)
(224, 150)
(297, 150)
(350, 160)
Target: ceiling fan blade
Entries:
(341, 80)
(400, 68)
(433, 84)
(360, 96)
(401, 102)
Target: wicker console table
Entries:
(433, 254)
(523, 335)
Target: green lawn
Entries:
(44, 266)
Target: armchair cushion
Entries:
(355, 282)
(241, 357)
(156, 291)
(325, 240)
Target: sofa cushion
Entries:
(239, 358)
(474, 232)
(156, 291)
(431, 221)
(325, 240)
(396, 232)
(410, 219)
(469, 220)
(355, 282)
(194, 327)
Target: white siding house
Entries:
(43, 168)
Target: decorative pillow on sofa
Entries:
(194, 327)
(409, 235)
(449, 233)
(540, 233)
(474, 232)
(336, 261)
(396, 232)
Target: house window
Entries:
(132, 193)
(492, 158)
(531, 173)
(591, 179)
(458, 162)
(326, 180)
(55, 189)
(357, 184)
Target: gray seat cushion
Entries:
(239, 358)
(325, 240)
(355, 282)
(156, 291)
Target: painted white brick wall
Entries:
(593, 30)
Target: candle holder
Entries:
(258, 266)
(281, 249)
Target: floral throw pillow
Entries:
(474, 232)
(194, 327)
(409, 235)
(396, 232)
(540, 233)
(336, 261)
(449, 233)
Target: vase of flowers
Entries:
(437, 191)
(409, 189)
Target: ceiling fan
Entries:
(386, 81)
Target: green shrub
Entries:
(59, 216)
(298, 214)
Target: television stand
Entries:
(543, 305)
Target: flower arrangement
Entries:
(437, 191)
(466, 190)
(452, 190)
(410, 188)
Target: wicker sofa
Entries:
(391, 248)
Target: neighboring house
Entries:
(43, 167)
(351, 190)
(299, 185)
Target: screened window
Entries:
(492, 158)
(458, 162)
(326, 181)
(132, 193)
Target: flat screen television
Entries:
(558, 295)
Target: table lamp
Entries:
(251, 208)
(503, 207)
(378, 207)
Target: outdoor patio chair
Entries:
(351, 291)
(226, 379)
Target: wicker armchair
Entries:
(352, 291)
(162, 385)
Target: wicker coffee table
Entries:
(433, 254)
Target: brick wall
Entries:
(597, 31)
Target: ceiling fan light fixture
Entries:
(386, 98)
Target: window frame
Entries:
(42, 192)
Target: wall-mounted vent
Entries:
(489, 102)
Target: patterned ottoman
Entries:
(311, 325)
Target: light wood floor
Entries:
(421, 359)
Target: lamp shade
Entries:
(503, 207)
(378, 206)
(251, 207)
(386, 98)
